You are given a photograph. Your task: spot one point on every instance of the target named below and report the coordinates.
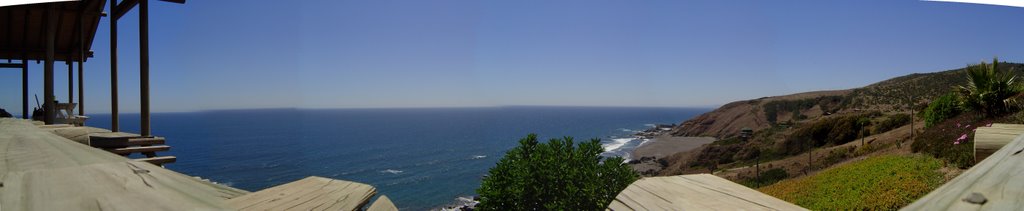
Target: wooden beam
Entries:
(71, 81)
(24, 87)
(51, 35)
(121, 8)
(988, 140)
(144, 65)
(113, 69)
(10, 27)
(10, 65)
(81, 66)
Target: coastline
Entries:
(666, 145)
(647, 157)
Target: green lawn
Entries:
(879, 183)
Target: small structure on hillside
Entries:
(746, 133)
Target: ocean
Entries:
(421, 158)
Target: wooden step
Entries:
(145, 141)
(159, 160)
(140, 149)
(110, 140)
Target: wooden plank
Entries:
(998, 179)
(55, 126)
(1008, 126)
(110, 140)
(144, 141)
(988, 140)
(382, 204)
(694, 192)
(78, 134)
(138, 149)
(311, 193)
(158, 160)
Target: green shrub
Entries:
(773, 108)
(554, 176)
(893, 122)
(941, 140)
(771, 176)
(988, 88)
(828, 131)
(941, 109)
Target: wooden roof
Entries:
(694, 192)
(23, 29)
(40, 170)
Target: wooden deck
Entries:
(311, 193)
(40, 170)
(995, 183)
(694, 192)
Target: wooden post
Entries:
(51, 35)
(757, 169)
(810, 160)
(113, 68)
(144, 65)
(911, 120)
(71, 79)
(81, 67)
(24, 87)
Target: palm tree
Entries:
(988, 89)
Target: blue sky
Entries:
(358, 54)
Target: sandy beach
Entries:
(665, 145)
(662, 146)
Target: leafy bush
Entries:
(834, 131)
(878, 183)
(988, 88)
(941, 109)
(554, 176)
(773, 108)
(893, 122)
(768, 177)
(942, 140)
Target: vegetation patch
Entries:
(768, 177)
(554, 176)
(945, 107)
(892, 122)
(830, 131)
(774, 108)
(879, 183)
(952, 140)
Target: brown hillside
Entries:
(892, 95)
(729, 119)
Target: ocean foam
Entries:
(391, 171)
(616, 144)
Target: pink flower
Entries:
(988, 125)
(958, 125)
(956, 143)
(968, 126)
(962, 137)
